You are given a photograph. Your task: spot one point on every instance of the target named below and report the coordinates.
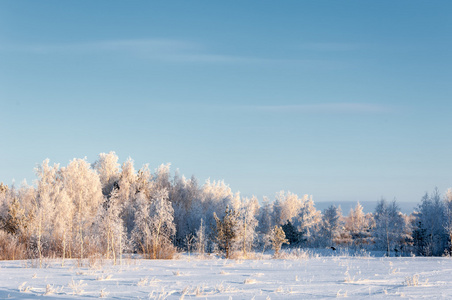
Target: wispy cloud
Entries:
(332, 46)
(129, 45)
(170, 50)
(335, 108)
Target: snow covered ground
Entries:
(306, 277)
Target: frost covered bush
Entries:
(296, 254)
(412, 280)
(10, 248)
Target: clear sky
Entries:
(344, 100)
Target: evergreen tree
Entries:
(330, 226)
(430, 230)
(294, 237)
(277, 238)
(226, 231)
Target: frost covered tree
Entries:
(21, 215)
(162, 177)
(154, 224)
(15, 218)
(358, 225)
(64, 219)
(127, 192)
(390, 226)
(215, 196)
(448, 221)
(292, 234)
(277, 237)
(330, 228)
(44, 208)
(3, 188)
(298, 216)
(162, 221)
(83, 187)
(184, 196)
(200, 239)
(4, 191)
(226, 231)
(430, 236)
(307, 218)
(247, 223)
(265, 219)
(287, 206)
(110, 227)
(144, 183)
(107, 167)
(141, 233)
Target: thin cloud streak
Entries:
(334, 108)
(130, 45)
(331, 46)
(169, 50)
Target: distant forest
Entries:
(107, 209)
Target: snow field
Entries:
(190, 278)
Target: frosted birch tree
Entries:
(357, 224)
(389, 226)
(110, 227)
(64, 219)
(44, 207)
(200, 239)
(127, 192)
(154, 224)
(161, 222)
(83, 187)
(247, 223)
(107, 167)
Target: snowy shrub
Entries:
(250, 281)
(103, 293)
(77, 287)
(412, 280)
(341, 295)
(362, 253)
(50, 289)
(106, 277)
(10, 248)
(23, 288)
(296, 254)
(240, 255)
(143, 282)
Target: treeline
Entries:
(107, 209)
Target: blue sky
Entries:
(344, 100)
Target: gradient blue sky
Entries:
(344, 100)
